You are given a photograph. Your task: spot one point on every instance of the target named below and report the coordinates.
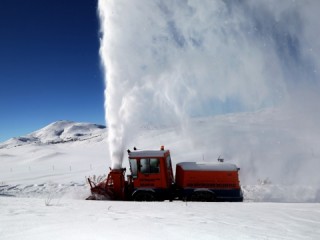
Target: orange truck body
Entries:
(220, 179)
(152, 179)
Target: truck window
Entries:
(168, 162)
(134, 167)
(149, 165)
(144, 165)
(154, 165)
(169, 170)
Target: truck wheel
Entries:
(202, 196)
(144, 197)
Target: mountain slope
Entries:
(58, 132)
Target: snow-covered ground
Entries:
(30, 218)
(43, 187)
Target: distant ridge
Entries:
(58, 132)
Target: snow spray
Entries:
(168, 61)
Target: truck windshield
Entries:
(149, 165)
(134, 167)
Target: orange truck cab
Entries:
(151, 174)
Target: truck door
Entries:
(149, 173)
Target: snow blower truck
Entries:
(152, 179)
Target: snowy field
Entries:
(27, 218)
(43, 187)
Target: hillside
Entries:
(58, 132)
(273, 154)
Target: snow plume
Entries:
(167, 61)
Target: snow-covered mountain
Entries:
(62, 152)
(58, 132)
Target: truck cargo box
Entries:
(221, 179)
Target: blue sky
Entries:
(49, 64)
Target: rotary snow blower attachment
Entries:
(112, 188)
